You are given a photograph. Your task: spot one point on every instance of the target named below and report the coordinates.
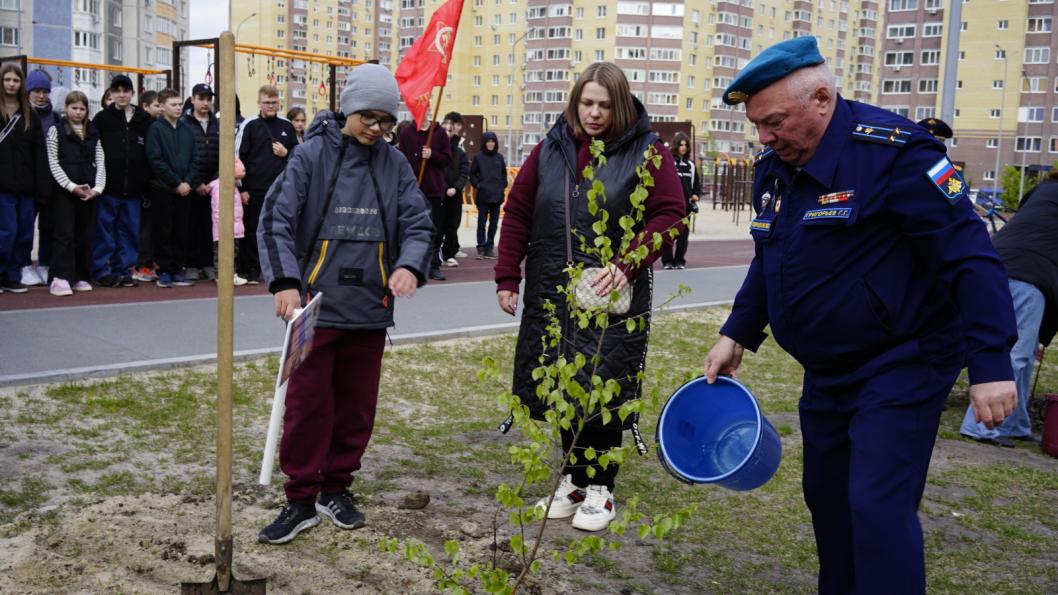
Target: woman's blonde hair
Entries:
(77, 97)
(610, 77)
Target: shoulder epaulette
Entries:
(763, 155)
(881, 134)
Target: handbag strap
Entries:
(569, 226)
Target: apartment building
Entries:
(358, 29)
(138, 34)
(1003, 83)
(515, 60)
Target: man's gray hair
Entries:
(803, 82)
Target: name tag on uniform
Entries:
(834, 197)
(817, 214)
(760, 228)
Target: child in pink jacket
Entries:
(240, 230)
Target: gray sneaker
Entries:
(293, 519)
(341, 509)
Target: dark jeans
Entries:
(490, 213)
(170, 229)
(676, 253)
(330, 412)
(601, 439)
(453, 215)
(72, 222)
(16, 234)
(116, 236)
(437, 216)
(45, 241)
(249, 263)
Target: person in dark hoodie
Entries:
(488, 176)
(455, 181)
(264, 143)
(122, 129)
(26, 178)
(38, 86)
(437, 156)
(346, 219)
(675, 256)
(1028, 247)
(198, 243)
(173, 154)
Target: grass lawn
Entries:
(71, 450)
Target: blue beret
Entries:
(771, 65)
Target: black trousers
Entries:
(437, 216)
(198, 247)
(249, 262)
(170, 230)
(146, 237)
(72, 222)
(453, 216)
(601, 439)
(676, 254)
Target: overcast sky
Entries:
(208, 18)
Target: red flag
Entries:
(425, 65)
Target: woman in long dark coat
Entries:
(535, 230)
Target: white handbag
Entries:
(584, 295)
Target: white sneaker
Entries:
(82, 286)
(568, 498)
(461, 254)
(239, 281)
(60, 287)
(597, 511)
(451, 262)
(31, 277)
(42, 272)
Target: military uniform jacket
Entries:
(870, 255)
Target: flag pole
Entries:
(429, 135)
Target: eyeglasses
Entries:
(384, 124)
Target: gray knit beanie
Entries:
(370, 87)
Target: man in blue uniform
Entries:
(875, 274)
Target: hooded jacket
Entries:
(488, 174)
(22, 153)
(456, 172)
(125, 146)
(411, 142)
(173, 155)
(376, 221)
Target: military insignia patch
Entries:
(736, 96)
(838, 213)
(760, 225)
(947, 179)
(881, 134)
(834, 197)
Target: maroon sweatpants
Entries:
(330, 412)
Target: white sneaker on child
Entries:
(597, 511)
(31, 277)
(60, 287)
(82, 286)
(568, 498)
(239, 281)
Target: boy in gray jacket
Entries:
(345, 219)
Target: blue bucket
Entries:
(715, 433)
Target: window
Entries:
(997, 84)
(1030, 114)
(9, 36)
(663, 98)
(896, 86)
(899, 58)
(601, 10)
(934, 4)
(1032, 84)
(475, 81)
(900, 110)
(1039, 25)
(927, 86)
(115, 16)
(1028, 144)
(625, 30)
(663, 76)
(989, 175)
(115, 50)
(600, 55)
(932, 29)
(89, 6)
(1002, 24)
(690, 84)
(633, 8)
(1054, 114)
(600, 33)
(1053, 145)
(1001, 54)
(630, 53)
(896, 5)
(662, 32)
(993, 113)
(84, 39)
(9, 5)
(930, 57)
(992, 143)
(923, 112)
(898, 31)
(1037, 55)
(537, 12)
